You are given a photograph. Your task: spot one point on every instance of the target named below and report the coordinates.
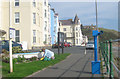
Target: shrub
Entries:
(19, 59)
(17, 49)
(6, 59)
(15, 60)
(33, 58)
(5, 52)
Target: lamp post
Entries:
(10, 39)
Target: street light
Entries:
(10, 39)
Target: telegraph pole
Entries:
(10, 39)
(97, 23)
(96, 15)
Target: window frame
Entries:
(17, 19)
(34, 18)
(17, 35)
(64, 29)
(34, 3)
(34, 36)
(17, 1)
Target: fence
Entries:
(106, 52)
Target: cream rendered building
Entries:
(46, 32)
(27, 19)
(72, 31)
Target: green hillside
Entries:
(107, 35)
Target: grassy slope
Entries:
(25, 69)
(107, 35)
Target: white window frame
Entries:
(76, 41)
(17, 1)
(34, 3)
(34, 36)
(17, 36)
(45, 25)
(76, 34)
(34, 18)
(17, 17)
(76, 28)
(45, 13)
(64, 29)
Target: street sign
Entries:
(12, 33)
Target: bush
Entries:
(6, 59)
(17, 49)
(15, 60)
(5, 52)
(33, 58)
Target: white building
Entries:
(46, 31)
(72, 31)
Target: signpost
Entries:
(11, 36)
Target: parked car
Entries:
(65, 44)
(69, 44)
(56, 45)
(90, 45)
(5, 44)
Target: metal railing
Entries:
(106, 53)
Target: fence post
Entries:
(111, 60)
(107, 57)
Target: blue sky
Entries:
(107, 12)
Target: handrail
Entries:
(106, 53)
(118, 71)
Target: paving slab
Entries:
(76, 65)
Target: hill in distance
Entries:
(107, 34)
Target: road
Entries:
(78, 64)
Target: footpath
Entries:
(76, 65)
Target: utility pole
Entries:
(96, 15)
(97, 24)
(10, 39)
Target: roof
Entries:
(69, 21)
(66, 22)
(76, 19)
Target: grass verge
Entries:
(24, 69)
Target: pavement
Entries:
(78, 64)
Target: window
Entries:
(65, 35)
(76, 28)
(45, 25)
(79, 34)
(16, 2)
(34, 3)
(17, 17)
(64, 29)
(76, 34)
(45, 2)
(45, 13)
(34, 18)
(34, 36)
(45, 38)
(17, 36)
(76, 41)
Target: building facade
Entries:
(54, 26)
(2, 32)
(47, 25)
(26, 19)
(72, 31)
